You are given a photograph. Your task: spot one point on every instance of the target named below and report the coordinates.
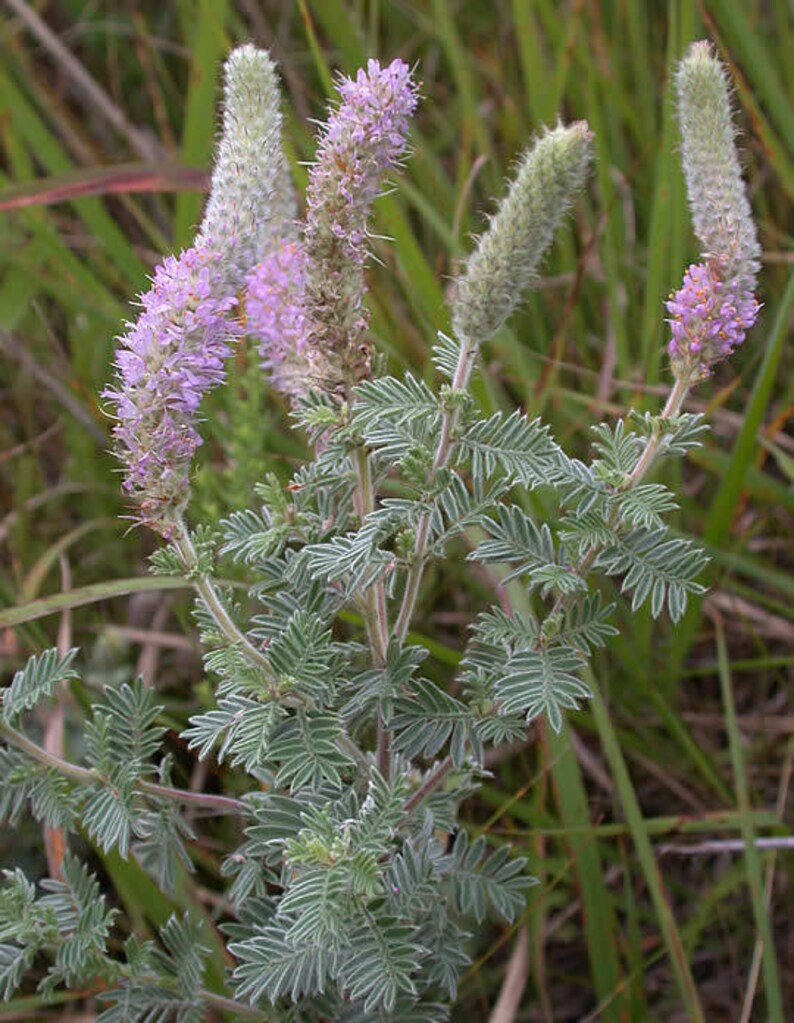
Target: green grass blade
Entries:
(343, 28)
(733, 481)
(668, 217)
(597, 904)
(208, 45)
(653, 878)
(472, 122)
(92, 594)
(753, 52)
(774, 998)
(320, 63)
(49, 153)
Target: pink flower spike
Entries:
(275, 310)
(364, 139)
(710, 318)
(166, 363)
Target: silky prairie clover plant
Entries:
(352, 889)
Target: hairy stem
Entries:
(89, 776)
(376, 614)
(463, 371)
(238, 1008)
(430, 784)
(206, 590)
(672, 407)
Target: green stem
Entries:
(224, 1004)
(672, 407)
(82, 775)
(206, 590)
(463, 371)
(430, 784)
(376, 614)
(89, 776)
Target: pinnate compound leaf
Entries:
(446, 353)
(133, 736)
(519, 447)
(645, 504)
(425, 720)
(306, 746)
(185, 954)
(15, 961)
(52, 797)
(84, 924)
(317, 905)
(400, 401)
(516, 539)
(381, 957)
(35, 681)
(586, 624)
(483, 882)
(542, 682)
(270, 966)
(241, 727)
(656, 566)
(108, 813)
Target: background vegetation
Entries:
(657, 824)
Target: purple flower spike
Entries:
(275, 310)
(364, 139)
(166, 363)
(709, 320)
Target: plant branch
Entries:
(82, 775)
(238, 1008)
(672, 407)
(88, 776)
(206, 590)
(223, 804)
(431, 782)
(463, 370)
(211, 998)
(376, 614)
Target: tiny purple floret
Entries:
(365, 137)
(275, 312)
(709, 320)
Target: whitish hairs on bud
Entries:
(505, 261)
(251, 204)
(720, 210)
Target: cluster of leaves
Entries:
(106, 797)
(353, 886)
(71, 922)
(367, 915)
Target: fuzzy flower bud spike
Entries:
(506, 259)
(165, 364)
(715, 306)
(251, 205)
(721, 213)
(363, 140)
